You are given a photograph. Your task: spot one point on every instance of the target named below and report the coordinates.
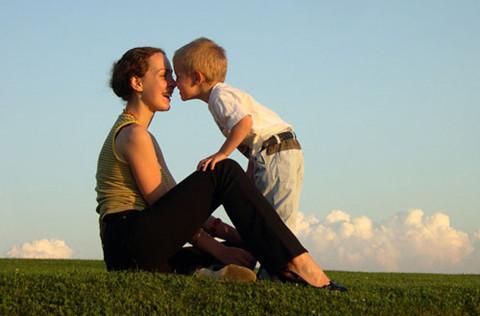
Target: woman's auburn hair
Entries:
(133, 63)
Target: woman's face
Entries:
(158, 83)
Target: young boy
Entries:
(269, 143)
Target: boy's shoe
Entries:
(230, 272)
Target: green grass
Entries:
(83, 287)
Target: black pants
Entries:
(147, 240)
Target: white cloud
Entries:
(406, 242)
(41, 249)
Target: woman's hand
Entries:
(203, 241)
(216, 228)
(235, 255)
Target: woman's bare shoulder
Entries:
(133, 133)
(133, 139)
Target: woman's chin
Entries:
(165, 106)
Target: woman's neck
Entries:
(142, 114)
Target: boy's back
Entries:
(228, 105)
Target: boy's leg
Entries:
(279, 178)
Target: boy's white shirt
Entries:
(229, 105)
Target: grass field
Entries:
(83, 287)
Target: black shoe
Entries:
(292, 277)
(334, 286)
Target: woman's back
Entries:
(116, 188)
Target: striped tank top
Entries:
(116, 188)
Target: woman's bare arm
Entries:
(134, 144)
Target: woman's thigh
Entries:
(115, 230)
(162, 229)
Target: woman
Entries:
(146, 218)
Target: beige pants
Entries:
(279, 176)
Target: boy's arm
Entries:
(234, 138)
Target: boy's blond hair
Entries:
(202, 55)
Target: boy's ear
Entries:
(136, 84)
(198, 77)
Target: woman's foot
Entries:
(304, 267)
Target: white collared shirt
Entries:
(229, 105)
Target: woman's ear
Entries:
(136, 84)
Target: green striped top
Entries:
(116, 188)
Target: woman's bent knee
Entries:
(229, 163)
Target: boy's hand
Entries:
(211, 161)
(234, 138)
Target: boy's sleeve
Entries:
(229, 110)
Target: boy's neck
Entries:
(206, 90)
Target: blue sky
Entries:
(385, 98)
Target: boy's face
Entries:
(186, 85)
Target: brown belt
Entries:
(277, 139)
(275, 144)
(288, 144)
